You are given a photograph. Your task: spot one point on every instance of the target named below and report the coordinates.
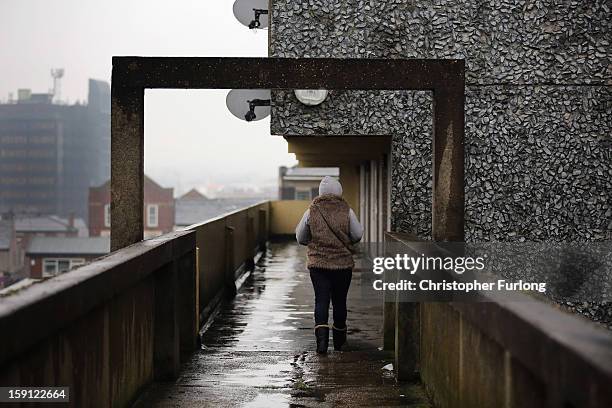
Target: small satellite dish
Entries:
(311, 97)
(252, 13)
(249, 104)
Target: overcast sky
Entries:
(191, 139)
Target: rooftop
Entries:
(189, 211)
(49, 223)
(310, 173)
(69, 246)
(193, 194)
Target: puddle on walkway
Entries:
(269, 401)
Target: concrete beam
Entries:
(131, 75)
(327, 163)
(372, 145)
(288, 73)
(335, 160)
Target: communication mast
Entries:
(57, 74)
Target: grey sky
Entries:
(190, 137)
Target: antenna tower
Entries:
(57, 74)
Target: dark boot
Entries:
(322, 335)
(339, 338)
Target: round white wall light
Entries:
(311, 97)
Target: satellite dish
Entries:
(249, 104)
(311, 97)
(252, 13)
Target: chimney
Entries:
(71, 220)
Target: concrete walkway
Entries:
(259, 352)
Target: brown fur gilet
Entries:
(327, 249)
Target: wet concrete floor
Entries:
(259, 351)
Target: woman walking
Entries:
(329, 228)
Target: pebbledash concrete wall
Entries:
(538, 139)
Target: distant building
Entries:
(302, 183)
(246, 191)
(158, 211)
(49, 256)
(50, 154)
(26, 228)
(193, 207)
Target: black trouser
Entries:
(334, 284)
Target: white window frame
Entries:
(155, 222)
(107, 220)
(72, 263)
(52, 263)
(307, 192)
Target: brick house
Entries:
(159, 209)
(49, 256)
(25, 228)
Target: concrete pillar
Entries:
(389, 306)
(262, 235)
(127, 165)
(230, 279)
(447, 215)
(166, 346)
(350, 180)
(250, 240)
(407, 340)
(448, 182)
(188, 309)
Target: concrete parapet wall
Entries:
(286, 215)
(228, 244)
(502, 353)
(106, 329)
(462, 364)
(227, 247)
(109, 328)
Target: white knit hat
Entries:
(330, 185)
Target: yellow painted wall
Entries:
(349, 178)
(285, 215)
(345, 152)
